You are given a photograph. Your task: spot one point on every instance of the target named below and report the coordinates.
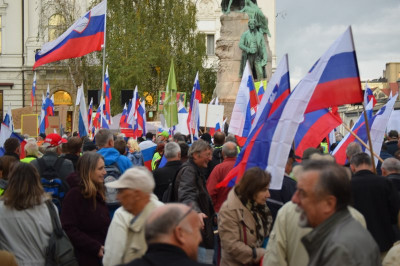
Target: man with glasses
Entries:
(125, 239)
(173, 235)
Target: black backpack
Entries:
(51, 180)
(169, 194)
(113, 174)
(60, 250)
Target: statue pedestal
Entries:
(233, 26)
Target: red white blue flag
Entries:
(244, 110)
(193, 121)
(107, 97)
(335, 76)
(83, 115)
(315, 127)
(377, 126)
(271, 121)
(84, 36)
(369, 95)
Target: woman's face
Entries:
(99, 172)
(262, 196)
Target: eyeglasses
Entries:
(184, 215)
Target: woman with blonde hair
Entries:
(24, 216)
(84, 214)
(134, 154)
(244, 220)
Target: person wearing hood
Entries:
(105, 142)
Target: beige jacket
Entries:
(125, 241)
(231, 218)
(284, 246)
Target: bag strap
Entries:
(244, 233)
(54, 219)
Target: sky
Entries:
(306, 28)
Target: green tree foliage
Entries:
(142, 38)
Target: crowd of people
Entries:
(116, 209)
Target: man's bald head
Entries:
(229, 149)
(163, 220)
(175, 224)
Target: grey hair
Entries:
(229, 149)
(103, 136)
(31, 148)
(52, 149)
(230, 137)
(197, 147)
(392, 165)
(162, 225)
(352, 149)
(171, 150)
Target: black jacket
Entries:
(164, 255)
(279, 197)
(376, 198)
(163, 176)
(391, 147)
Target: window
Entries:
(210, 44)
(56, 26)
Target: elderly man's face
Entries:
(310, 204)
(128, 198)
(202, 158)
(192, 237)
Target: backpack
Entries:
(60, 250)
(51, 180)
(169, 193)
(113, 173)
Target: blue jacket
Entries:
(111, 155)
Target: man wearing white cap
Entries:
(125, 239)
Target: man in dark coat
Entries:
(163, 176)
(391, 169)
(391, 144)
(376, 198)
(173, 236)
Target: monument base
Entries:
(233, 26)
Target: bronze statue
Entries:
(254, 12)
(254, 50)
(235, 4)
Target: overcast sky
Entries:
(306, 29)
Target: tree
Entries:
(142, 38)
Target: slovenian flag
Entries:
(244, 110)
(193, 121)
(83, 115)
(84, 36)
(271, 121)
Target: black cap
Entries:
(42, 135)
(89, 146)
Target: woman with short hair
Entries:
(84, 214)
(244, 220)
(24, 216)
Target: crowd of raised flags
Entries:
(267, 122)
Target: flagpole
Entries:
(362, 142)
(104, 52)
(205, 125)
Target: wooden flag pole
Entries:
(362, 142)
(369, 139)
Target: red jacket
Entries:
(219, 195)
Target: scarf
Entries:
(262, 216)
